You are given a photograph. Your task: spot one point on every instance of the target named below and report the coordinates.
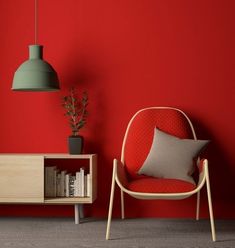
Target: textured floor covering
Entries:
(138, 233)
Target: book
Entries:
(81, 182)
(58, 184)
(63, 184)
(77, 184)
(55, 182)
(67, 184)
(76, 187)
(62, 188)
(71, 185)
(88, 185)
(50, 181)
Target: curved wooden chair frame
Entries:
(118, 171)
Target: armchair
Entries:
(136, 145)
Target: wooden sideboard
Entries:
(22, 180)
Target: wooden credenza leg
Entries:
(76, 214)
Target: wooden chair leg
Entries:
(122, 205)
(110, 205)
(210, 206)
(198, 205)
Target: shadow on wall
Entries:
(221, 175)
(84, 73)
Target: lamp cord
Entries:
(35, 21)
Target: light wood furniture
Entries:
(22, 180)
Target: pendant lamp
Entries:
(35, 74)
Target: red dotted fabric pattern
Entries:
(141, 131)
(155, 185)
(121, 173)
(201, 164)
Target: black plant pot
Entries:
(75, 144)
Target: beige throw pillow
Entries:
(171, 157)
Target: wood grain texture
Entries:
(21, 178)
(93, 172)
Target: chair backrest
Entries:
(139, 134)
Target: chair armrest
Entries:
(120, 172)
(202, 167)
(201, 164)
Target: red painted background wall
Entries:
(127, 54)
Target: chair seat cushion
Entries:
(159, 185)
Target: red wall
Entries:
(127, 54)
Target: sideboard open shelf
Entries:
(22, 180)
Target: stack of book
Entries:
(63, 184)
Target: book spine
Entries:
(76, 185)
(62, 184)
(71, 185)
(58, 185)
(55, 172)
(67, 184)
(82, 182)
(88, 185)
(79, 184)
(50, 181)
(62, 190)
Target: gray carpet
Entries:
(131, 233)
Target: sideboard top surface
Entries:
(52, 155)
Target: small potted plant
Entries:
(76, 111)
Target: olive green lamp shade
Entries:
(35, 74)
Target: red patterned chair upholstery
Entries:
(135, 148)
